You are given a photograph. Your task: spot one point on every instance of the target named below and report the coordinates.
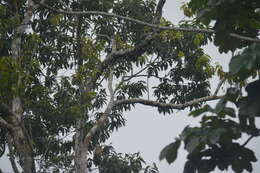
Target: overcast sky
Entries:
(148, 132)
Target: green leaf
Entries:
(248, 166)
(245, 64)
(229, 111)
(198, 112)
(192, 144)
(221, 105)
(170, 152)
(189, 167)
(248, 154)
(232, 94)
(215, 135)
(206, 166)
(237, 166)
(249, 106)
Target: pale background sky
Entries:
(148, 132)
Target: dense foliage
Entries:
(70, 69)
(215, 142)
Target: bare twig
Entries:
(137, 74)
(219, 86)
(248, 140)
(167, 105)
(196, 30)
(141, 75)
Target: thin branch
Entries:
(196, 30)
(137, 73)
(248, 140)
(219, 86)
(141, 75)
(167, 105)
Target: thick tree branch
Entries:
(21, 139)
(126, 53)
(102, 120)
(196, 30)
(113, 103)
(167, 105)
(158, 12)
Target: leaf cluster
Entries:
(108, 161)
(227, 20)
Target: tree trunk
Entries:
(24, 149)
(21, 139)
(80, 148)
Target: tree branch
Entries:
(11, 154)
(137, 74)
(196, 30)
(113, 103)
(158, 13)
(138, 49)
(102, 120)
(219, 86)
(131, 52)
(167, 105)
(248, 140)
